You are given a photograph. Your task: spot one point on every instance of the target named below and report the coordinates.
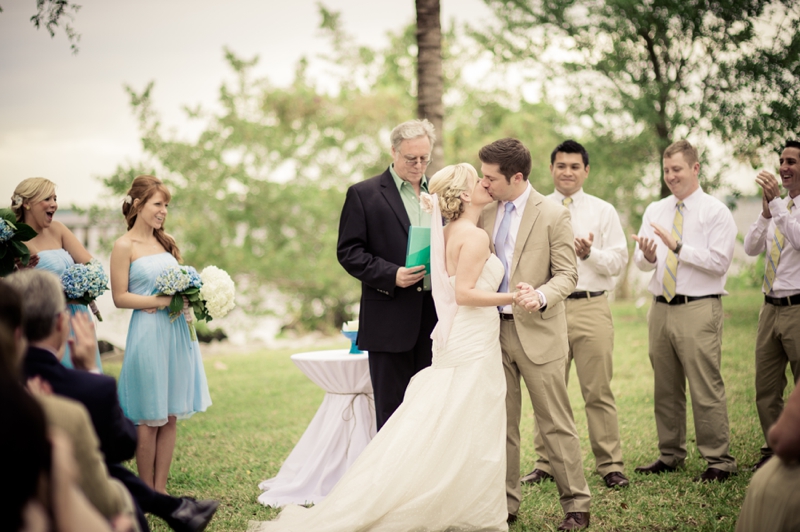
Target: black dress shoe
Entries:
(763, 460)
(712, 474)
(575, 521)
(537, 476)
(512, 518)
(616, 479)
(655, 468)
(192, 515)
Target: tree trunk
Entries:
(429, 75)
(663, 143)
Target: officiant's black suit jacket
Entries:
(98, 393)
(373, 236)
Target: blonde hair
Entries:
(449, 183)
(683, 146)
(31, 190)
(142, 189)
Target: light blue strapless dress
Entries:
(162, 373)
(57, 261)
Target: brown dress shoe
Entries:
(537, 476)
(616, 479)
(712, 474)
(512, 518)
(574, 521)
(655, 468)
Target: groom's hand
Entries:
(406, 277)
(528, 297)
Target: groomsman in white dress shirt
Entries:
(602, 253)
(687, 241)
(777, 232)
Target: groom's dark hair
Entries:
(510, 155)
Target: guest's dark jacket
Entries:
(373, 236)
(98, 393)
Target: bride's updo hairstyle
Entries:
(142, 189)
(31, 190)
(449, 183)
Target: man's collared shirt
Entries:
(511, 241)
(760, 238)
(709, 235)
(416, 215)
(609, 253)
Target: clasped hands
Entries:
(527, 297)
(771, 190)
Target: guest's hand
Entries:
(83, 345)
(583, 246)
(406, 277)
(37, 386)
(769, 185)
(648, 247)
(32, 262)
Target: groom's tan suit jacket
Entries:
(544, 257)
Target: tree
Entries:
(662, 69)
(50, 13)
(430, 83)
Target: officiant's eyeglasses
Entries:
(412, 161)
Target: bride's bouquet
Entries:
(84, 283)
(12, 236)
(209, 294)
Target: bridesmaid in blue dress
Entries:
(35, 203)
(162, 378)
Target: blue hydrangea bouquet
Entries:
(84, 283)
(210, 294)
(180, 281)
(12, 236)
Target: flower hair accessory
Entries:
(128, 199)
(16, 200)
(426, 202)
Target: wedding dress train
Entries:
(439, 463)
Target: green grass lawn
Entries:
(263, 403)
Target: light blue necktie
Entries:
(500, 244)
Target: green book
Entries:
(418, 252)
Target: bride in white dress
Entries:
(439, 463)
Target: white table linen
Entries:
(342, 427)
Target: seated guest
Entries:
(40, 476)
(773, 498)
(107, 495)
(43, 299)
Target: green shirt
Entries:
(416, 215)
(410, 200)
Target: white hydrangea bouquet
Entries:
(209, 294)
(84, 283)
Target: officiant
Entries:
(397, 313)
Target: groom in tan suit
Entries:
(533, 237)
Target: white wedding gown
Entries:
(439, 463)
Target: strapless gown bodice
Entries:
(57, 261)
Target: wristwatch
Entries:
(678, 246)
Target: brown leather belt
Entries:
(680, 300)
(585, 295)
(783, 301)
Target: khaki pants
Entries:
(773, 499)
(777, 343)
(686, 344)
(591, 345)
(553, 414)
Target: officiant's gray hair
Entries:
(42, 300)
(412, 130)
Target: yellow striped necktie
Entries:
(669, 282)
(566, 201)
(774, 257)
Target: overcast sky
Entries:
(66, 117)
